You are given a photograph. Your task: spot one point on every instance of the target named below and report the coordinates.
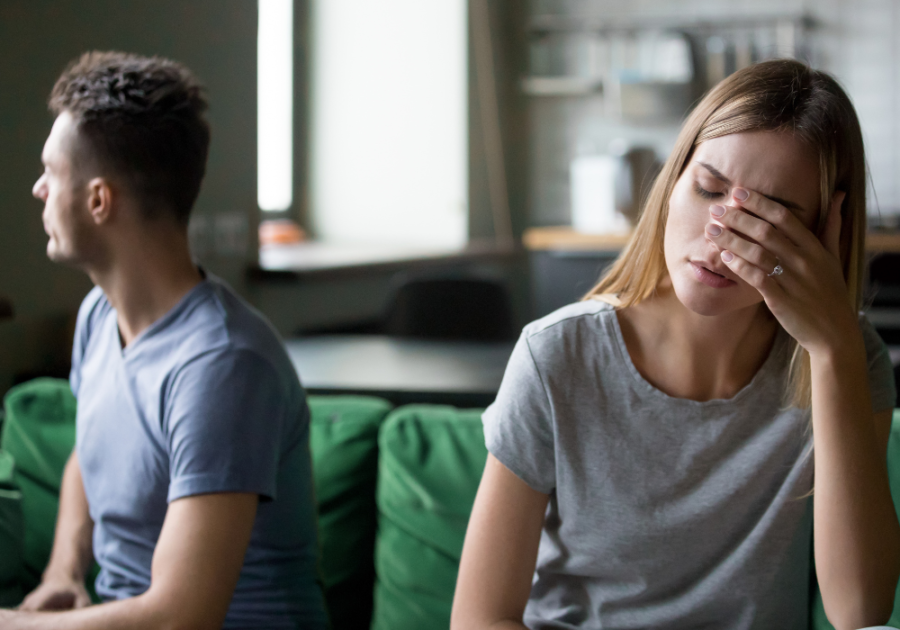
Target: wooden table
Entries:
(465, 374)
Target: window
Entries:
(275, 105)
(389, 128)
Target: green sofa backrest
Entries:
(430, 463)
(344, 444)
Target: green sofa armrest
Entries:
(39, 432)
(12, 533)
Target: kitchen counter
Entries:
(564, 238)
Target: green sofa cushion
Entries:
(344, 446)
(430, 464)
(819, 620)
(39, 432)
(11, 533)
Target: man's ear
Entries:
(100, 200)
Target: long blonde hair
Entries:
(778, 95)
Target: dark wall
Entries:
(217, 40)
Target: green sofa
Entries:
(394, 490)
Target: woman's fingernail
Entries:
(727, 256)
(740, 194)
(713, 230)
(717, 210)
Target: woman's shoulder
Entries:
(590, 318)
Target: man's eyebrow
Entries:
(718, 175)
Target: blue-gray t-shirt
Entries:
(204, 400)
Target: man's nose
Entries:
(39, 188)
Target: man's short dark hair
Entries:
(143, 120)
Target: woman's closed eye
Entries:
(706, 194)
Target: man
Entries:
(191, 480)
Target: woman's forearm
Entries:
(857, 537)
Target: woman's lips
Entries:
(710, 278)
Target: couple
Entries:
(651, 454)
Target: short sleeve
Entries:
(881, 370)
(518, 425)
(224, 422)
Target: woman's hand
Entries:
(809, 298)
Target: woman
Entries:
(651, 448)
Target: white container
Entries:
(593, 185)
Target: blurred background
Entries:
(443, 170)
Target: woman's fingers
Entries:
(750, 273)
(749, 251)
(777, 214)
(752, 230)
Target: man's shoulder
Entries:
(223, 329)
(226, 361)
(244, 329)
(93, 308)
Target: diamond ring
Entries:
(777, 271)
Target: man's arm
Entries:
(62, 585)
(196, 566)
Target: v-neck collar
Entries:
(162, 321)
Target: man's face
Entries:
(63, 189)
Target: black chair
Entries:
(463, 309)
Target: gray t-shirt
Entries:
(664, 512)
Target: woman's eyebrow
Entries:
(718, 175)
(715, 172)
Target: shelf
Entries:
(561, 86)
(573, 23)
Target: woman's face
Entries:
(772, 163)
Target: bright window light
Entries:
(275, 104)
(388, 132)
